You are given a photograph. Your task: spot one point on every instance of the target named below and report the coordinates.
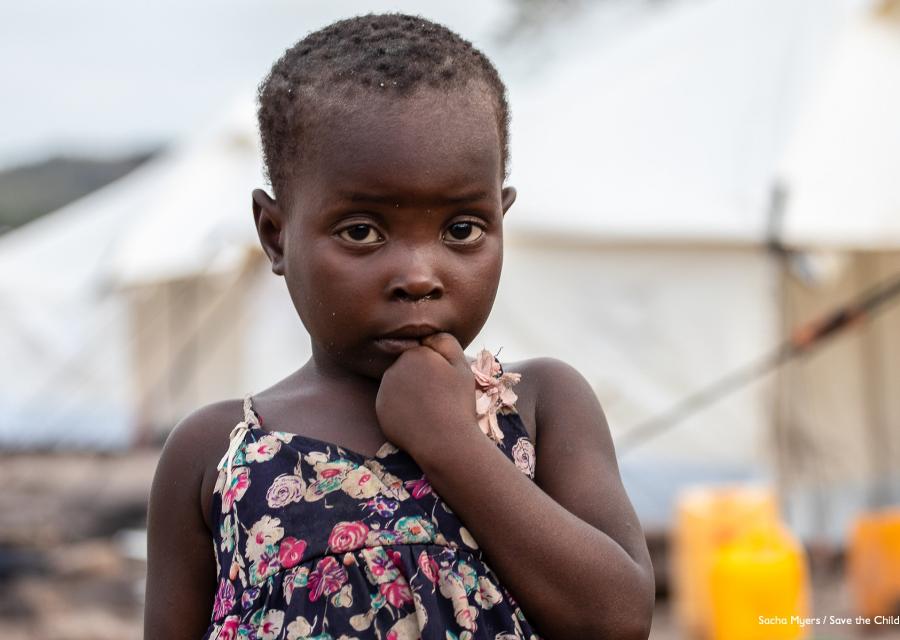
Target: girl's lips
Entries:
(397, 345)
(406, 337)
(412, 331)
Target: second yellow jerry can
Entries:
(760, 588)
(706, 519)
(873, 563)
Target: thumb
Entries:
(447, 346)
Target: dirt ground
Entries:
(72, 546)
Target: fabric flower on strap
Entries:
(493, 392)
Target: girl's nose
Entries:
(418, 282)
(416, 289)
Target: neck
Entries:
(324, 370)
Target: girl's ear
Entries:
(269, 220)
(507, 197)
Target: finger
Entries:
(448, 346)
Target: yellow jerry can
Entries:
(760, 588)
(873, 563)
(706, 519)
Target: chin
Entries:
(376, 368)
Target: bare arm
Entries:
(569, 545)
(181, 570)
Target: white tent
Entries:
(67, 329)
(841, 168)
(673, 133)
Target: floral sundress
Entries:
(313, 540)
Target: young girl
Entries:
(392, 487)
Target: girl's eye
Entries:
(360, 234)
(464, 232)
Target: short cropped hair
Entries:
(393, 53)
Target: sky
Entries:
(112, 76)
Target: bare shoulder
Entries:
(195, 446)
(549, 387)
(179, 536)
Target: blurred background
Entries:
(708, 228)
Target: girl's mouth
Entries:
(406, 337)
(397, 345)
(412, 331)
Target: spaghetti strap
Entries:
(236, 438)
(249, 413)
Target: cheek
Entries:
(488, 266)
(478, 280)
(319, 286)
(481, 284)
(332, 288)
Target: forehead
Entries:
(431, 144)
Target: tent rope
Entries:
(802, 340)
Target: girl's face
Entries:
(395, 227)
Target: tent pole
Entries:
(874, 372)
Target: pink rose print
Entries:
(465, 616)
(327, 578)
(397, 593)
(229, 628)
(428, 566)
(418, 488)
(263, 449)
(291, 552)
(347, 536)
(266, 565)
(294, 578)
(397, 559)
(331, 472)
(379, 567)
(224, 599)
(240, 480)
(270, 626)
